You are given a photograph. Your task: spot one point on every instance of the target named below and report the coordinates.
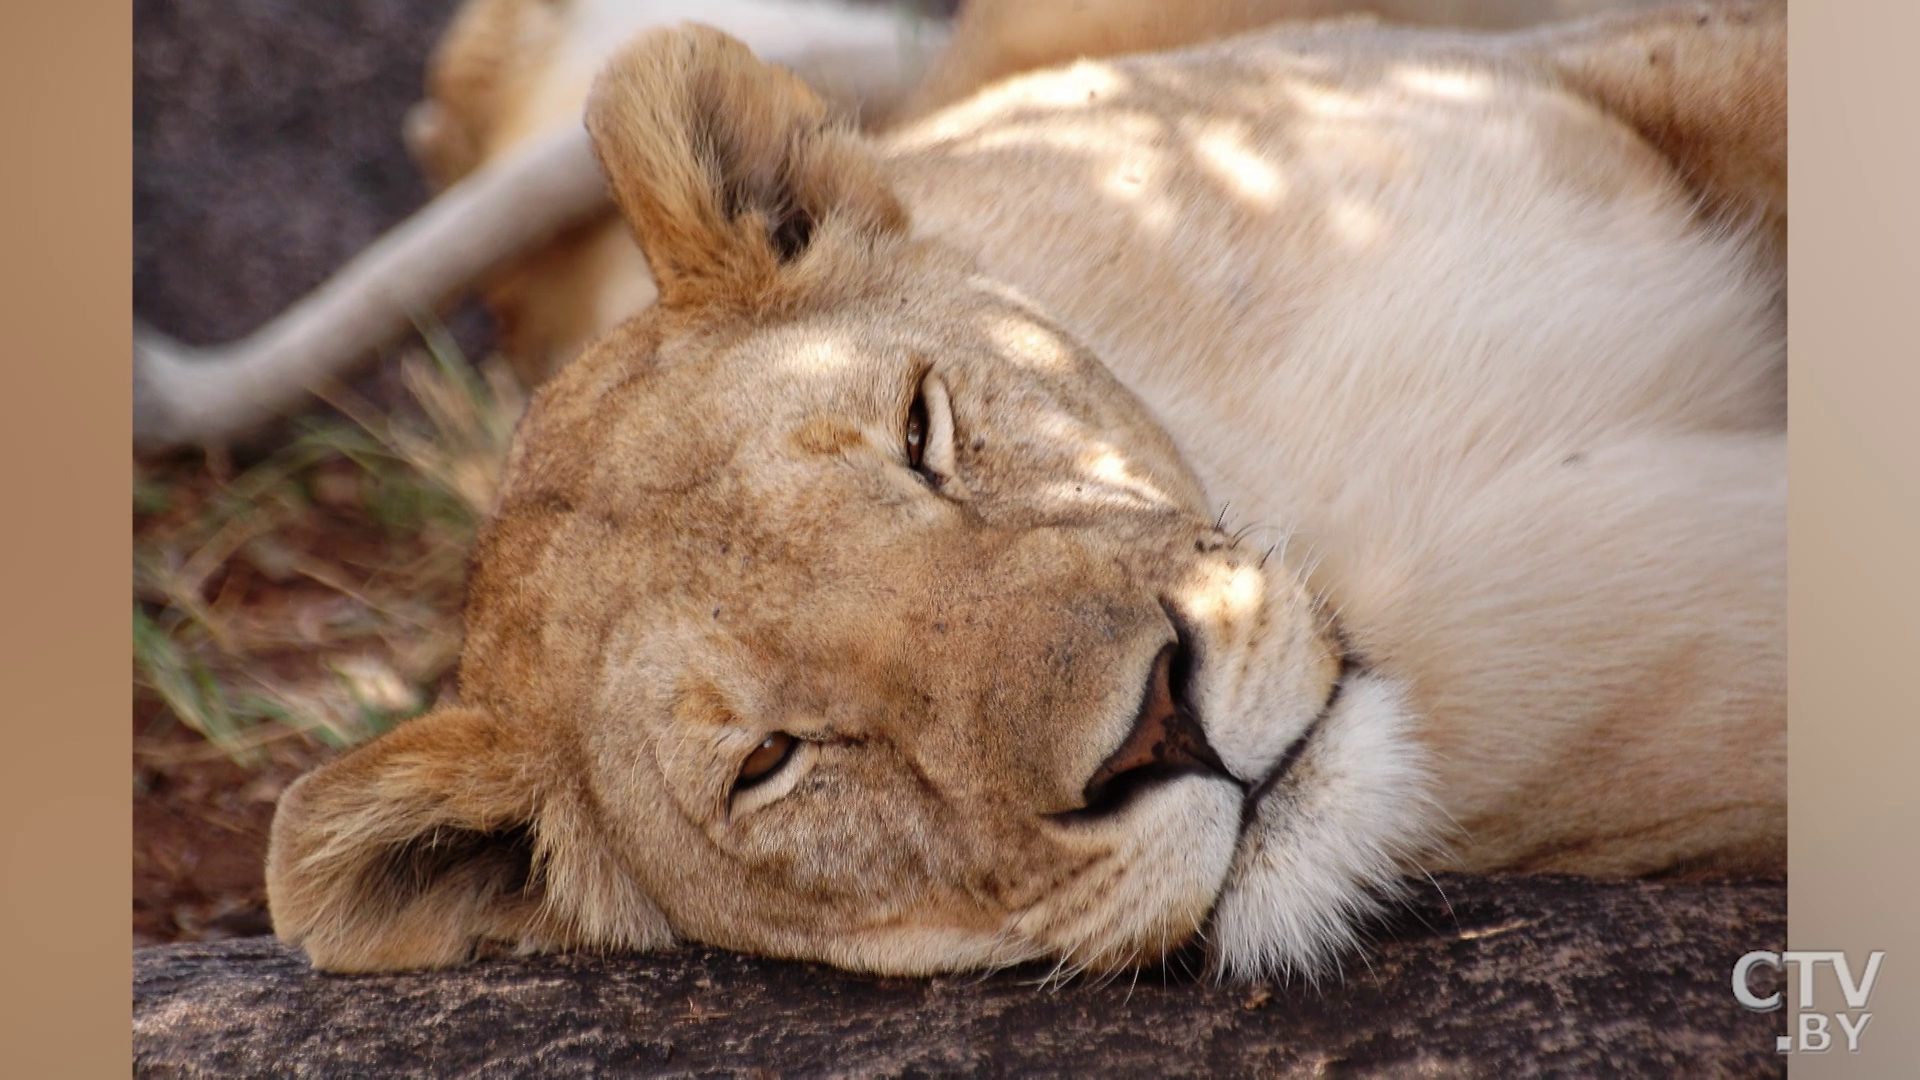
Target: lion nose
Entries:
(1166, 741)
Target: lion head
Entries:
(842, 606)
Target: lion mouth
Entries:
(1250, 806)
(1350, 668)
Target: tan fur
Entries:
(1699, 88)
(1494, 414)
(996, 38)
(1704, 87)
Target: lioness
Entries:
(1157, 500)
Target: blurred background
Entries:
(300, 591)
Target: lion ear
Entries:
(437, 841)
(729, 170)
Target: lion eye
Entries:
(765, 760)
(930, 437)
(917, 432)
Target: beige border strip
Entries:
(65, 801)
(1854, 570)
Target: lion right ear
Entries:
(729, 170)
(444, 838)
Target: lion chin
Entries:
(1159, 502)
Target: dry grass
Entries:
(315, 595)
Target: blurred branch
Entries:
(184, 395)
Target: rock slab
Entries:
(1477, 977)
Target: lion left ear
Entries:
(729, 170)
(442, 839)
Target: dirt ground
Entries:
(200, 836)
(266, 153)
